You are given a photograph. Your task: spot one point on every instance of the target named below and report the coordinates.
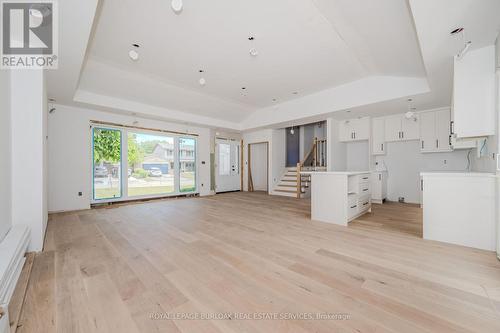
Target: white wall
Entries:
(336, 150)
(70, 169)
(259, 161)
(5, 152)
(404, 163)
(357, 156)
(28, 120)
(277, 152)
(278, 157)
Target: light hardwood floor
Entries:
(108, 270)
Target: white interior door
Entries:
(227, 165)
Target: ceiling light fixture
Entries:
(410, 114)
(202, 81)
(254, 52)
(177, 6)
(467, 43)
(133, 55)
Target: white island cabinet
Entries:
(459, 208)
(339, 197)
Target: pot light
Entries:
(254, 52)
(133, 55)
(202, 81)
(177, 6)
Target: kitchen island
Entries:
(339, 197)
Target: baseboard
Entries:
(12, 251)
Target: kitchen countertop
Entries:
(458, 174)
(347, 173)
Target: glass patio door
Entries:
(106, 163)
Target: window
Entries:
(187, 149)
(106, 156)
(224, 159)
(146, 164)
(150, 165)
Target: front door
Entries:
(227, 165)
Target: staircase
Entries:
(288, 184)
(293, 183)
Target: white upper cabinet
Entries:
(354, 129)
(410, 128)
(435, 131)
(473, 111)
(427, 131)
(393, 128)
(378, 136)
(399, 128)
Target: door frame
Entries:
(249, 161)
(216, 163)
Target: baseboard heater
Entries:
(12, 250)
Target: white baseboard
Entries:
(12, 250)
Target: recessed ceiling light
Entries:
(202, 81)
(133, 55)
(177, 6)
(254, 52)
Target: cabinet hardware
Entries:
(354, 206)
(366, 203)
(365, 189)
(437, 143)
(382, 146)
(422, 144)
(402, 135)
(399, 134)
(449, 140)
(421, 184)
(452, 127)
(379, 176)
(365, 177)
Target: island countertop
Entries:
(345, 173)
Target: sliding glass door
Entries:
(146, 164)
(107, 154)
(187, 160)
(150, 164)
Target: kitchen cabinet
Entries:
(379, 186)
(378, 136)
(473, 105)
(354, 129)
(435, 131)
(400, 128)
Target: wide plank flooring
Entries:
(157, 266)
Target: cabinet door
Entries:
(443, 130)
(428, 131)
(393, 128)
(345, 131)
(361, 128)
(378, 136)
(410, 128)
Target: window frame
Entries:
(124, 132)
